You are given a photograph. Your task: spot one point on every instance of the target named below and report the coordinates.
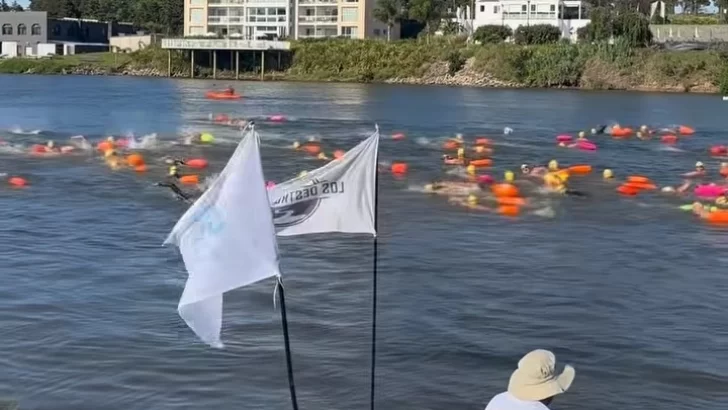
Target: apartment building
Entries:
(567, 15)
(257, 19)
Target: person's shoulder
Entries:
(505, 401)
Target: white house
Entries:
(568, 15)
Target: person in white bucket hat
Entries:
(534, 384)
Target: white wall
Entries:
(46, 49)
(10, 48)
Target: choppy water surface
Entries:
(630, 291)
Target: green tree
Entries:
(15, 6)
(389, 12)
(429, 13)
(4, 6)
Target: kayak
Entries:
(218, 95)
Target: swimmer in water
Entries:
(461, 153)
(608, 175)
(644, 133)
(448, 160)
(556, 183)
(322, 156)
(178, 193)
(533, 171)
(699, 171)
(599, 129)
(581, 135)
(479, 149)
(112, 159)
(452, 189)
(553, 165)
(470, 202)
(229, 90)
(296, 145)
(701, 210)
(722, 201)
(51, 146)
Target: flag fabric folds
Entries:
(338, 197)
(227, 240)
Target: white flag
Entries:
(227, 240)
(338, 197)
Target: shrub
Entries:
(538, 34)
(491, 34)
(634, 28)
(455, 62)
(723, 81)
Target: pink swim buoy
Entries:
(564, 138)
(277, 118)
(709, 191)
(196, 163)
(485, 179)
(17, 182)
(586, 145)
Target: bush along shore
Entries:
(442, 61)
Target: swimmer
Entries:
(509, 176)
(581, 135)
(459, 137)
(322, 157)
(677, 191)
(644, 133)
(179, 194)
(553, 165)
(722, 201)
(599, 129)
(296, 145)
(471, 170)
(461, 153)
(701, 210)
(482, 150)
(470, 202)
(51, 146)
(112, 159)
(448, 160)
(533, 171)
(608, 175)
(556, 183)
(452, 189)
(699, 171)
(229, 90)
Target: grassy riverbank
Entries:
(440, 61)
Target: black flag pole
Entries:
(374, 279)
(286, 341)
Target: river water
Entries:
(631, 291)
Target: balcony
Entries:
(523, 15)
(226, 3)
(318, 2)
(318, 19)
(225, 20)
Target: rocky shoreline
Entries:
(436, 74)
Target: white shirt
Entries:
(505, 401)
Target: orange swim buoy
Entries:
(484, 162)
(189, 179)
(398, 136)
(685, 130)
(135, 160)
(621, 132)
(482, 141)
(638, 179)
(640, 185)
(511, 201)
(505, 190)
(17, 182)
(580, 169)
(313, 149)
(627, 190)
(399, 168)
(669, 139)
(509, 210)
(105, 146)
(718, 217)
(196, 163)
(140, 168)
(338, 154)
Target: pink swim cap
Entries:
(270, 184)
(485, 179)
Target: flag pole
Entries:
(286, 341)
(374, 276)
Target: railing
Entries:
(319, 35)
(318, 2)
(528, 16)
(225, 20)
(318, 19)
(226, 2)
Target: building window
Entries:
(22, 30)
(198, 2)
(57, 30)
(196, 31)
(71, 30)
(495, 10)
(533, 8)
(552, 8)
(376, 32)
(196, 16)
(482, 9)
(7, 30)
(35, 29)
(352, 32)
(524, 9)
(349, 15)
